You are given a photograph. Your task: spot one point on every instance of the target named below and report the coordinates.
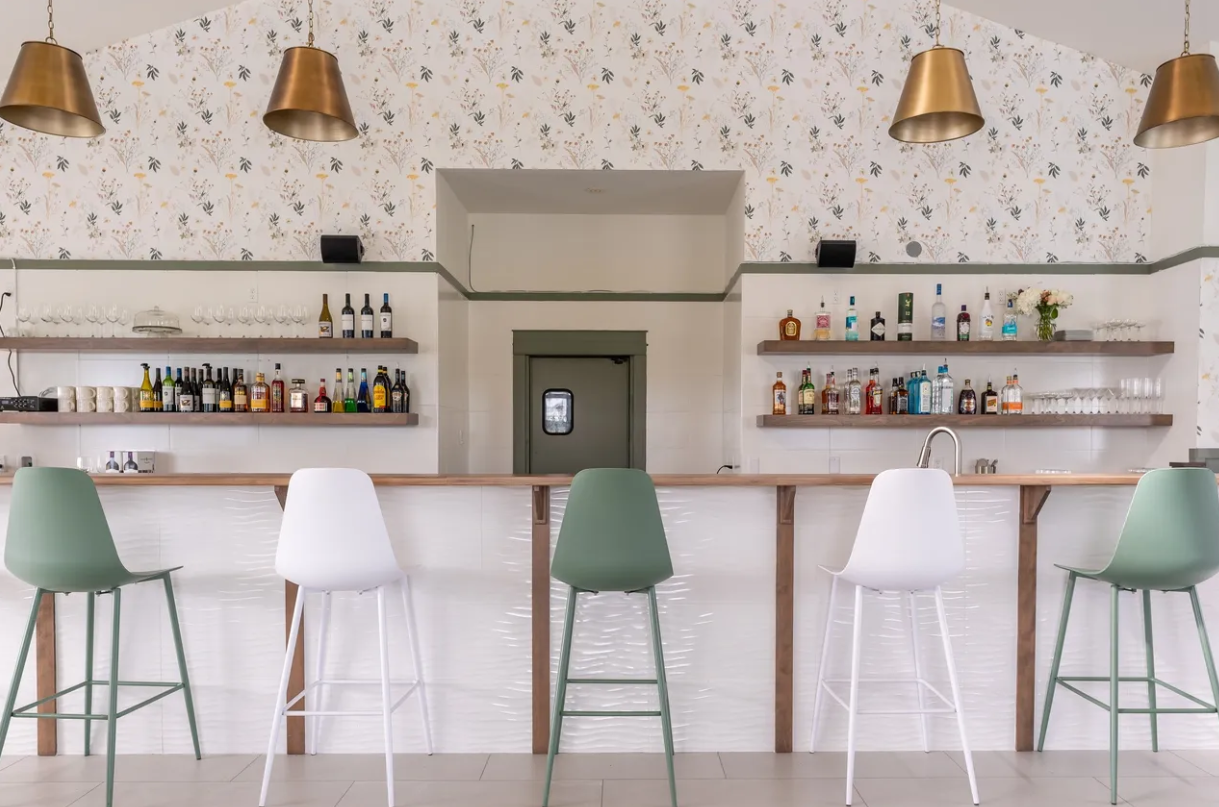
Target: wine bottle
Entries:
(112, 465)
(325, 325)
(364, 398)
(130, 467)
(387, 321)
(366, 320)
(169, 400)
(406, 394)
(336, 405)
(380, 393)
(349, 320)
(277, 392)
(349, 394)
(241, 393)
(225, 392)
(157, 405)
(395, 393)
(182, 392)
(260, 394)
(145, 391)
(211, 400)
(322, 402)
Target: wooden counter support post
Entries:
(295, 730)
(540, 607)
(785, 613)
(1032, 498)
(44, 635)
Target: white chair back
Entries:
(333, 536)
(909, 538)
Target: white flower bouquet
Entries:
(1045, 303)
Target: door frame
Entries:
(631, 345)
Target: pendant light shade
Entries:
(309, 101)
(1183, 105)
(48, 92)
(938, 101)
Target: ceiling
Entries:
(482, 190)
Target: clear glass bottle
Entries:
(260, 394)
(130, 467)
(336, 404)
(947, 391)
(112, 465)
(821, 331)
(854, 393)
(1009, 320)
(298, 396)
(1016, 406)
(937, 388)
(939, 316)
(1005, 396)
(852, 323)
(831, 396)
(986, 328)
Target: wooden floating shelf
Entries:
(205, 344)
(959, 421)
(804, 347)
(306, 419)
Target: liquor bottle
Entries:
(336, 404)
(963, 325)
(241, 393)
(406, 394)
(939, 316)
(990, 401)
(800, 393)
(937, 388)
(380, 392)
(348, 317)
(396, 393)
(157, 393)
(1005, 395)
(789, 328)
(874, 395)
(810, 393)
(146, 392)
(211, 401)
(912, 390)
(224, 392)
(1016, 405)
(322, 402)
(196, 390)
(903, 398)
(1009, 320)
(325, 323)
(129, 467)
(947, 390)
(831, 396)
(967, 404)
(169, 399)
(877, 332)
(112, 465)
(852, 322)
(905, 316)
(260, 394)
(924, 393)
(986, 331)
(363, 398)
(366, 320)
(387, 322)
(854, 393)
(277, 392)
(349, 394)
(893, 385)
(821, 331)
(778, 396)
(183, 392)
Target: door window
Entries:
(558, 411)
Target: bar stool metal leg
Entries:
(1151, 670)
(11, 702)
(1052, 686)
(412, 634)
(825, 660)
(560, 694)
(956, 692)
(281, 698)
(1113, 689)
(918, 670)
(853, 703)
(112, 721)
(91, 597)
(1206, 644)
(314, 724)
(386, 701)
(186, 694)
(666, 719)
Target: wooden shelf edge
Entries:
(206, 344)
(804, 347)
(961, 421)
(306, 419)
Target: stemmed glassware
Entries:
(124, 318)
(245, 316)
(23, 319)
(282, 316)
(262, 315)
(218, 315)
(112, 316)
(93, 315)
(200, 317)
(299, 314)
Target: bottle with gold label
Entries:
(146, 392)
(778, 396)
(789, 327)
(260, 394)
(821, 333)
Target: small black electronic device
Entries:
(835, 254)
(342, 249)
(28, 403)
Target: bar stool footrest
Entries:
(1203, 707)
(596, 713)
(24, 711)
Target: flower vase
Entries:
(1045, 326)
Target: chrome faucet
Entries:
(925, 455)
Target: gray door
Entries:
(579, 414)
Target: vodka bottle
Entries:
(939, 316)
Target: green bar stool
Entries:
(612, 539)
(1170, 542)
(59, 542)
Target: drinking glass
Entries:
(1149, 396)
(124, 318)
(230, 316)
(1123, 398)
(1108, 402)
(218, 315)
(93, 315)
(23, 319)
(1100, 331)
(299, 314)
(282, 316)
(112, 316)
(262, 315)
(200, 316)
(1159, 396)
(1136, 396)
(47, 317)
(245, 315)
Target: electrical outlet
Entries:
(253, 295)
(461, 437)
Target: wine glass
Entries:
(124, 318)
(299, 314)
(219, 315)
(93, 315)
(282, 316)
(47, 317)
(230, 317)
(245, 316)
(112, 316)
(200, 317)
(23, 319)
(262, 315)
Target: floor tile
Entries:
(602, 766)
(47, 794)
(833, 764)
(128, 768)
(1032, 764)
(217, 794)
(1010, 792)
(6, 761)
(367, 768)
(1206, 760)
(474, 794)
(731, 793)
(1165, 792)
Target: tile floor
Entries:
(908, 779)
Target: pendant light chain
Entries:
(51, 23)
(1186, 51)
(937, 22)
(310, 23)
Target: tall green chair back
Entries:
(58, 538)
(1170, 539)
(612, 538)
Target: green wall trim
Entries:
(235, 266)
(597, 296)
(579, 343)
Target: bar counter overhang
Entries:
(742, 617)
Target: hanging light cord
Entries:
(51, 23)
(937, 23)
(1185, 52)
(310, 23)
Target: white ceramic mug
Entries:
(65, 392)
(67, 404)
(86, 392)
(122, 405)
(121, 393)
(86, 404)
(105, 392)
(105, 404)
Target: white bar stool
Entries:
(909, 540)
(333, 538)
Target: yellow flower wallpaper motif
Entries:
(797, 96)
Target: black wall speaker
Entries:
(350, 249)
(835, 254)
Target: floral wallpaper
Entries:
(796, 94)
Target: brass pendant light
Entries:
(1183, 105)
(48, 91)
(938, 101)
(309, 101)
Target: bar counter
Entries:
(468, 550)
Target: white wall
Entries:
(452, 355)
(732, 376)
(604, 252)
(452, 232)
(684, 375)
(255, 448)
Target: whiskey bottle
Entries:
(277, 392)
(903, 398)
(831, 396)
(853, 405)
(968, 402)
(241, 393)
(260, 394)
(990, 400)
(778, 394)
(893, 396)
(789, 328)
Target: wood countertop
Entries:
(662, 480)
